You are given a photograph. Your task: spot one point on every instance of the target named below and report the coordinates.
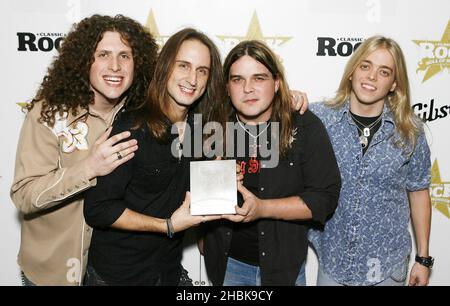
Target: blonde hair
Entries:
(407, 123)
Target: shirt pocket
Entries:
(153, 178)
(288, 178)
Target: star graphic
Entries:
(254, 32)
(153, 28)
(439, 191)
(431, 66)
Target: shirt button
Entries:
(262, 233)
(291, 164)
(263, 253)
(226, 253)
(76, 186)
(228, 233)
(262, 188)
(263, 165)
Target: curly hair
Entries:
(66, 87)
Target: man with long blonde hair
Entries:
(384, 161)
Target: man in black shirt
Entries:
(133, 208)
(266, 241)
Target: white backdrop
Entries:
(296, 30)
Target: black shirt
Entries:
(153, 183)
(244, 243)
(309, 171)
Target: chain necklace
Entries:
(365, 132)
(255, 145)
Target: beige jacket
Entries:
(48, 190)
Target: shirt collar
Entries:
(81, 112)
(343, 113)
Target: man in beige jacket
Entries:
(104, 66)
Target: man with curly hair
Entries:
(104, 66)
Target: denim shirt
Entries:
(367, 239)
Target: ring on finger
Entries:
(119, 156)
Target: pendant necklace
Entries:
(365, 131)
(255, 145)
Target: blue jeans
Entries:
(26, 282)
(324, 280)
(242, 274)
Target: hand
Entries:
(251, 210)
(299, 101)
(419, 275)
(182, 218)
(107, 155)
(239, 174)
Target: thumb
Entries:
(187, 199)
(244, 191)
(219, 158)
(104, 136)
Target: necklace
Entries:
(365, 132)
(255, 145)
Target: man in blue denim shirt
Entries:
(384, 161)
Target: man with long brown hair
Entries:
(104, 66)
(266, 244)
(136, 209)
(384, 160)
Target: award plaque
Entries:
(213, 187)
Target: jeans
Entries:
(242, 274)
(398, 278)
(93, 279)
(26, 282)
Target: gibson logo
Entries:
(428, 112)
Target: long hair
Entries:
(281, 109)
(66, 85)
(407, 123)
(210, 105)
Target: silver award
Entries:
(213, 187)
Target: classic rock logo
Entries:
(153, 28)
(34, 42)
(439, 191)
(342, 46)
(254, 31)
(435, 55)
